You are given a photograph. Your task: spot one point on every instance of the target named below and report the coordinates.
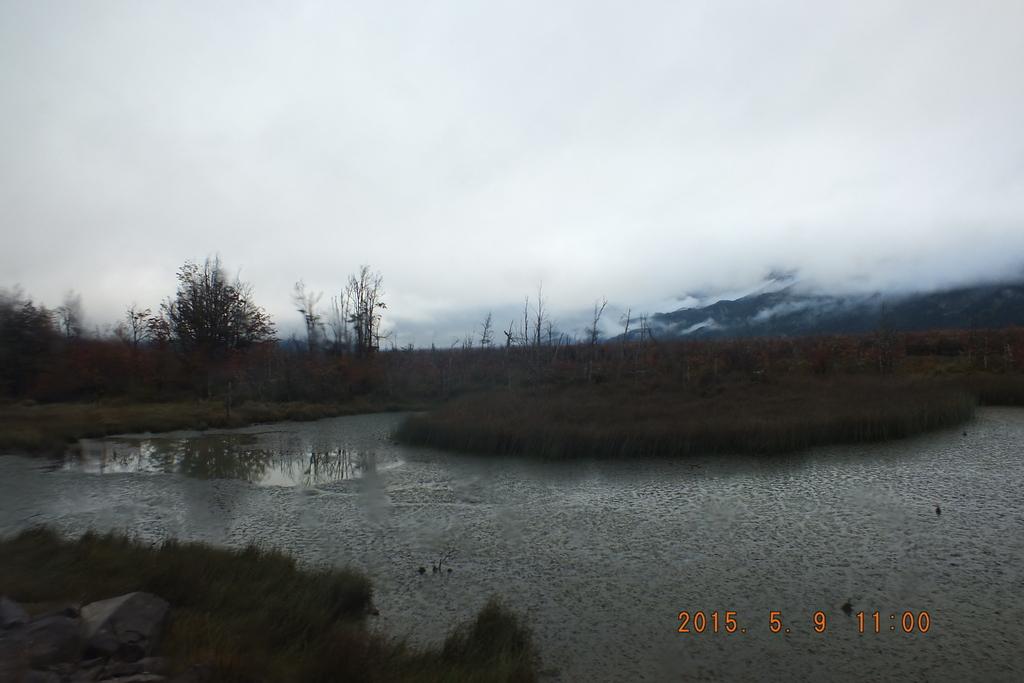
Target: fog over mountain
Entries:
(472, 151)
(780, 309)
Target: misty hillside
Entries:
(786, 313)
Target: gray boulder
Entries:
(39, 644)
(198, 673)
(69, 610)
(40, 677)
(87, 671)
(50, 640)
(125, 628)
(116, 638)
(11, 614)
(148, 665)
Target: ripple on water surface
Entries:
(602, 557)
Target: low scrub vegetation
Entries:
(256, 613)
(541, 391)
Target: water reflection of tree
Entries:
(141, 456)
(123, 460)
(219, 457)
(128, 455)
(230, 456)
(320, 468)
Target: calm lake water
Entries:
(602, 557)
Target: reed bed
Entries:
(624, 421)
(993, 389)
(257, 614)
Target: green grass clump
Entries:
(498, 641)
(255, 612)
(625, 420)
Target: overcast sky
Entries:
(469, 151)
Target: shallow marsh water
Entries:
(603, 556)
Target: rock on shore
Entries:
(109, 640)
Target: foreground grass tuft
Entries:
(497, 641)
(254, 612)
(738, 417)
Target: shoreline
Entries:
(49, 428)
(561, 420)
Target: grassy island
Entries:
(256, 614)
(738, 416)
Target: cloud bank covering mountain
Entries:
(470, 151)
(782, 310)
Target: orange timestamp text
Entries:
(715, 622)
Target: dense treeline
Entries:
(37, 363)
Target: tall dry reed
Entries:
(624, 420)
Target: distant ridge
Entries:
(786, 313)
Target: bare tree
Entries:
(137, 326)
(641, 349)
(525, 338)
(487, 336)
(337, 321)
(594, 336)
(593, 333)
(645, 327)
(383, 336)
(365, 293)
(541, 318)
(69, 315)
(509, 336)
(307, 302)
(625, 319)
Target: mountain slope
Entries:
(786, 313)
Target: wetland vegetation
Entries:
(210, 358)
(256, 614)
(734, 416)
